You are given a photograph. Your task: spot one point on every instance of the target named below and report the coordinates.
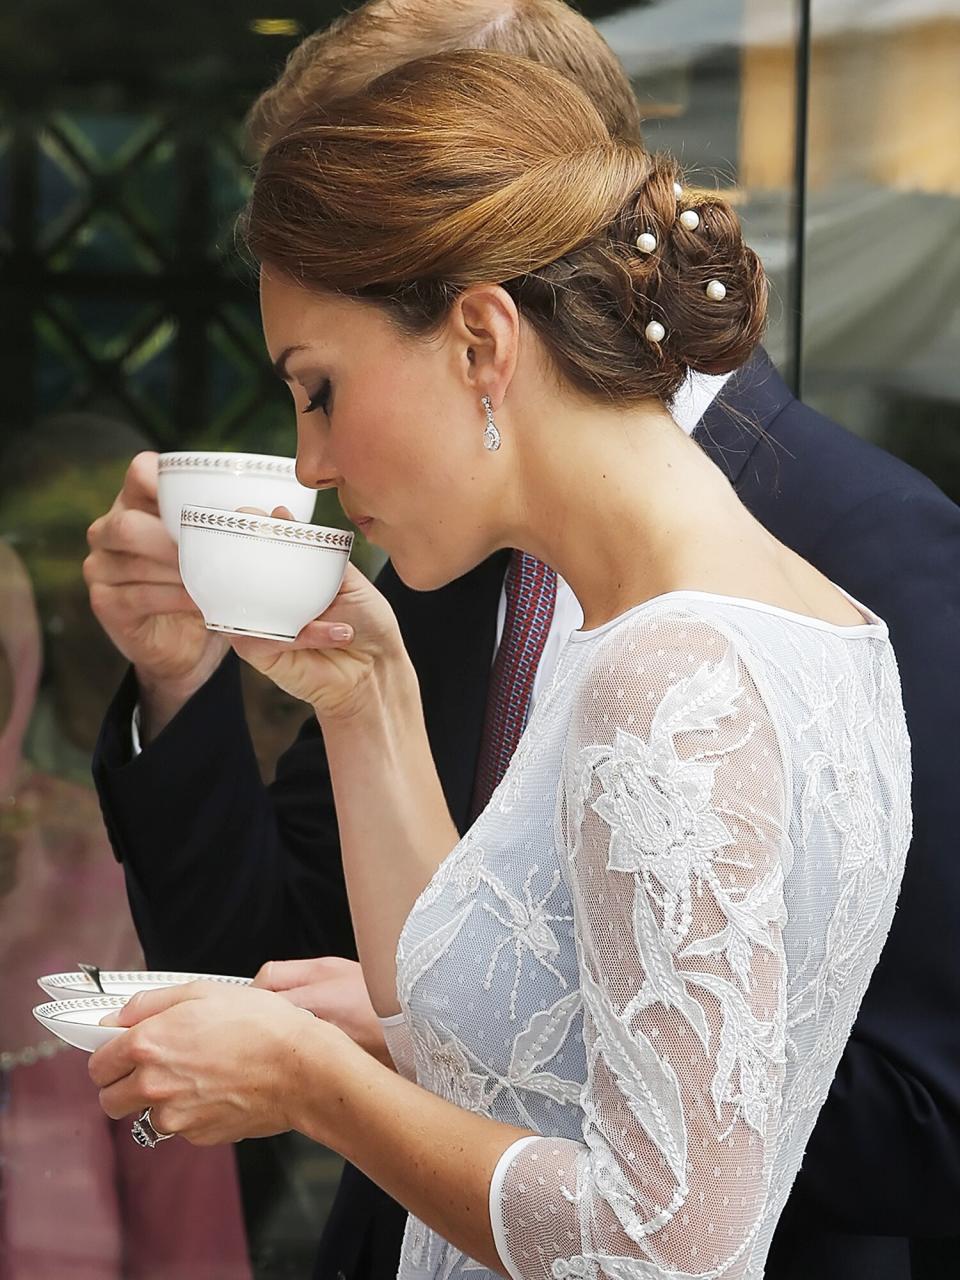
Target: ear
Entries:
(485, 328)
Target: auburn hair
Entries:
(477, 167)
(359, 46)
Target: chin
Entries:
(421, 577)
(427, 573)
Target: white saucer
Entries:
(124, 983)
(76, 1021)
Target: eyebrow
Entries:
(280, 364)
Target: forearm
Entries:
(433, 1157)
(395, 827)
(204, 843)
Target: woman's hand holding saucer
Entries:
(333, 989)
(333, 661)
(213, 1064)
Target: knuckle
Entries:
(111, 1109)
(152, 1087)
(123, 527)
(99, 597)
(147, 458)
(138, 1048)
(143, 465)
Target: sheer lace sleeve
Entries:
(399, 1044)
(671, 820)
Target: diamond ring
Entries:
(144, 1134)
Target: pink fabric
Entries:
(79, 1200)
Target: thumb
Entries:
(280, 974)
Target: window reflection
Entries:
(63, 1163)
(716, 83)
(881, 324)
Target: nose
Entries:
(315, 468)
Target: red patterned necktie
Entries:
(531, 590)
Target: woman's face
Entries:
(392, 422)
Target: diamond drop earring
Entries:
(491, 434)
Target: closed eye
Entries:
(321, 400)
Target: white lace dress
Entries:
(651, 946)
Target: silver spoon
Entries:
(93, 973)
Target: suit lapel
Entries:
(736, 424)
(451, 643)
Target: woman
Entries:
(624, 992)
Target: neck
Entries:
(622, 504)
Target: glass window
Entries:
(717, 86)
(881, 322)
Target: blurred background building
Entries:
(128, 320)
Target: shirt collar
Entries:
(698, 392)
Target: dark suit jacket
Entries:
(224, 873)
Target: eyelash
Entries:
(321, 400)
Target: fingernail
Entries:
(341, 633)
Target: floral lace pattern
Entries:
(651, 946)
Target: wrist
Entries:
(328, 1066)
(389, 691)
(162, 696)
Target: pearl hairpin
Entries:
(690, 219)
(677, 190)
(646, 242)
(716, 291)
(655, 332)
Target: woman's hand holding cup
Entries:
(339, 660)
(138, 598)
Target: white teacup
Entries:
(254, 575)
(227, 481)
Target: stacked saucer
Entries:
(75, 1012)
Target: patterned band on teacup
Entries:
(227, 462)
(280, 530)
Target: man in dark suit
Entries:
(224, 873)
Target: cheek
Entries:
(405, 442)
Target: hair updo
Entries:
(472, 167)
